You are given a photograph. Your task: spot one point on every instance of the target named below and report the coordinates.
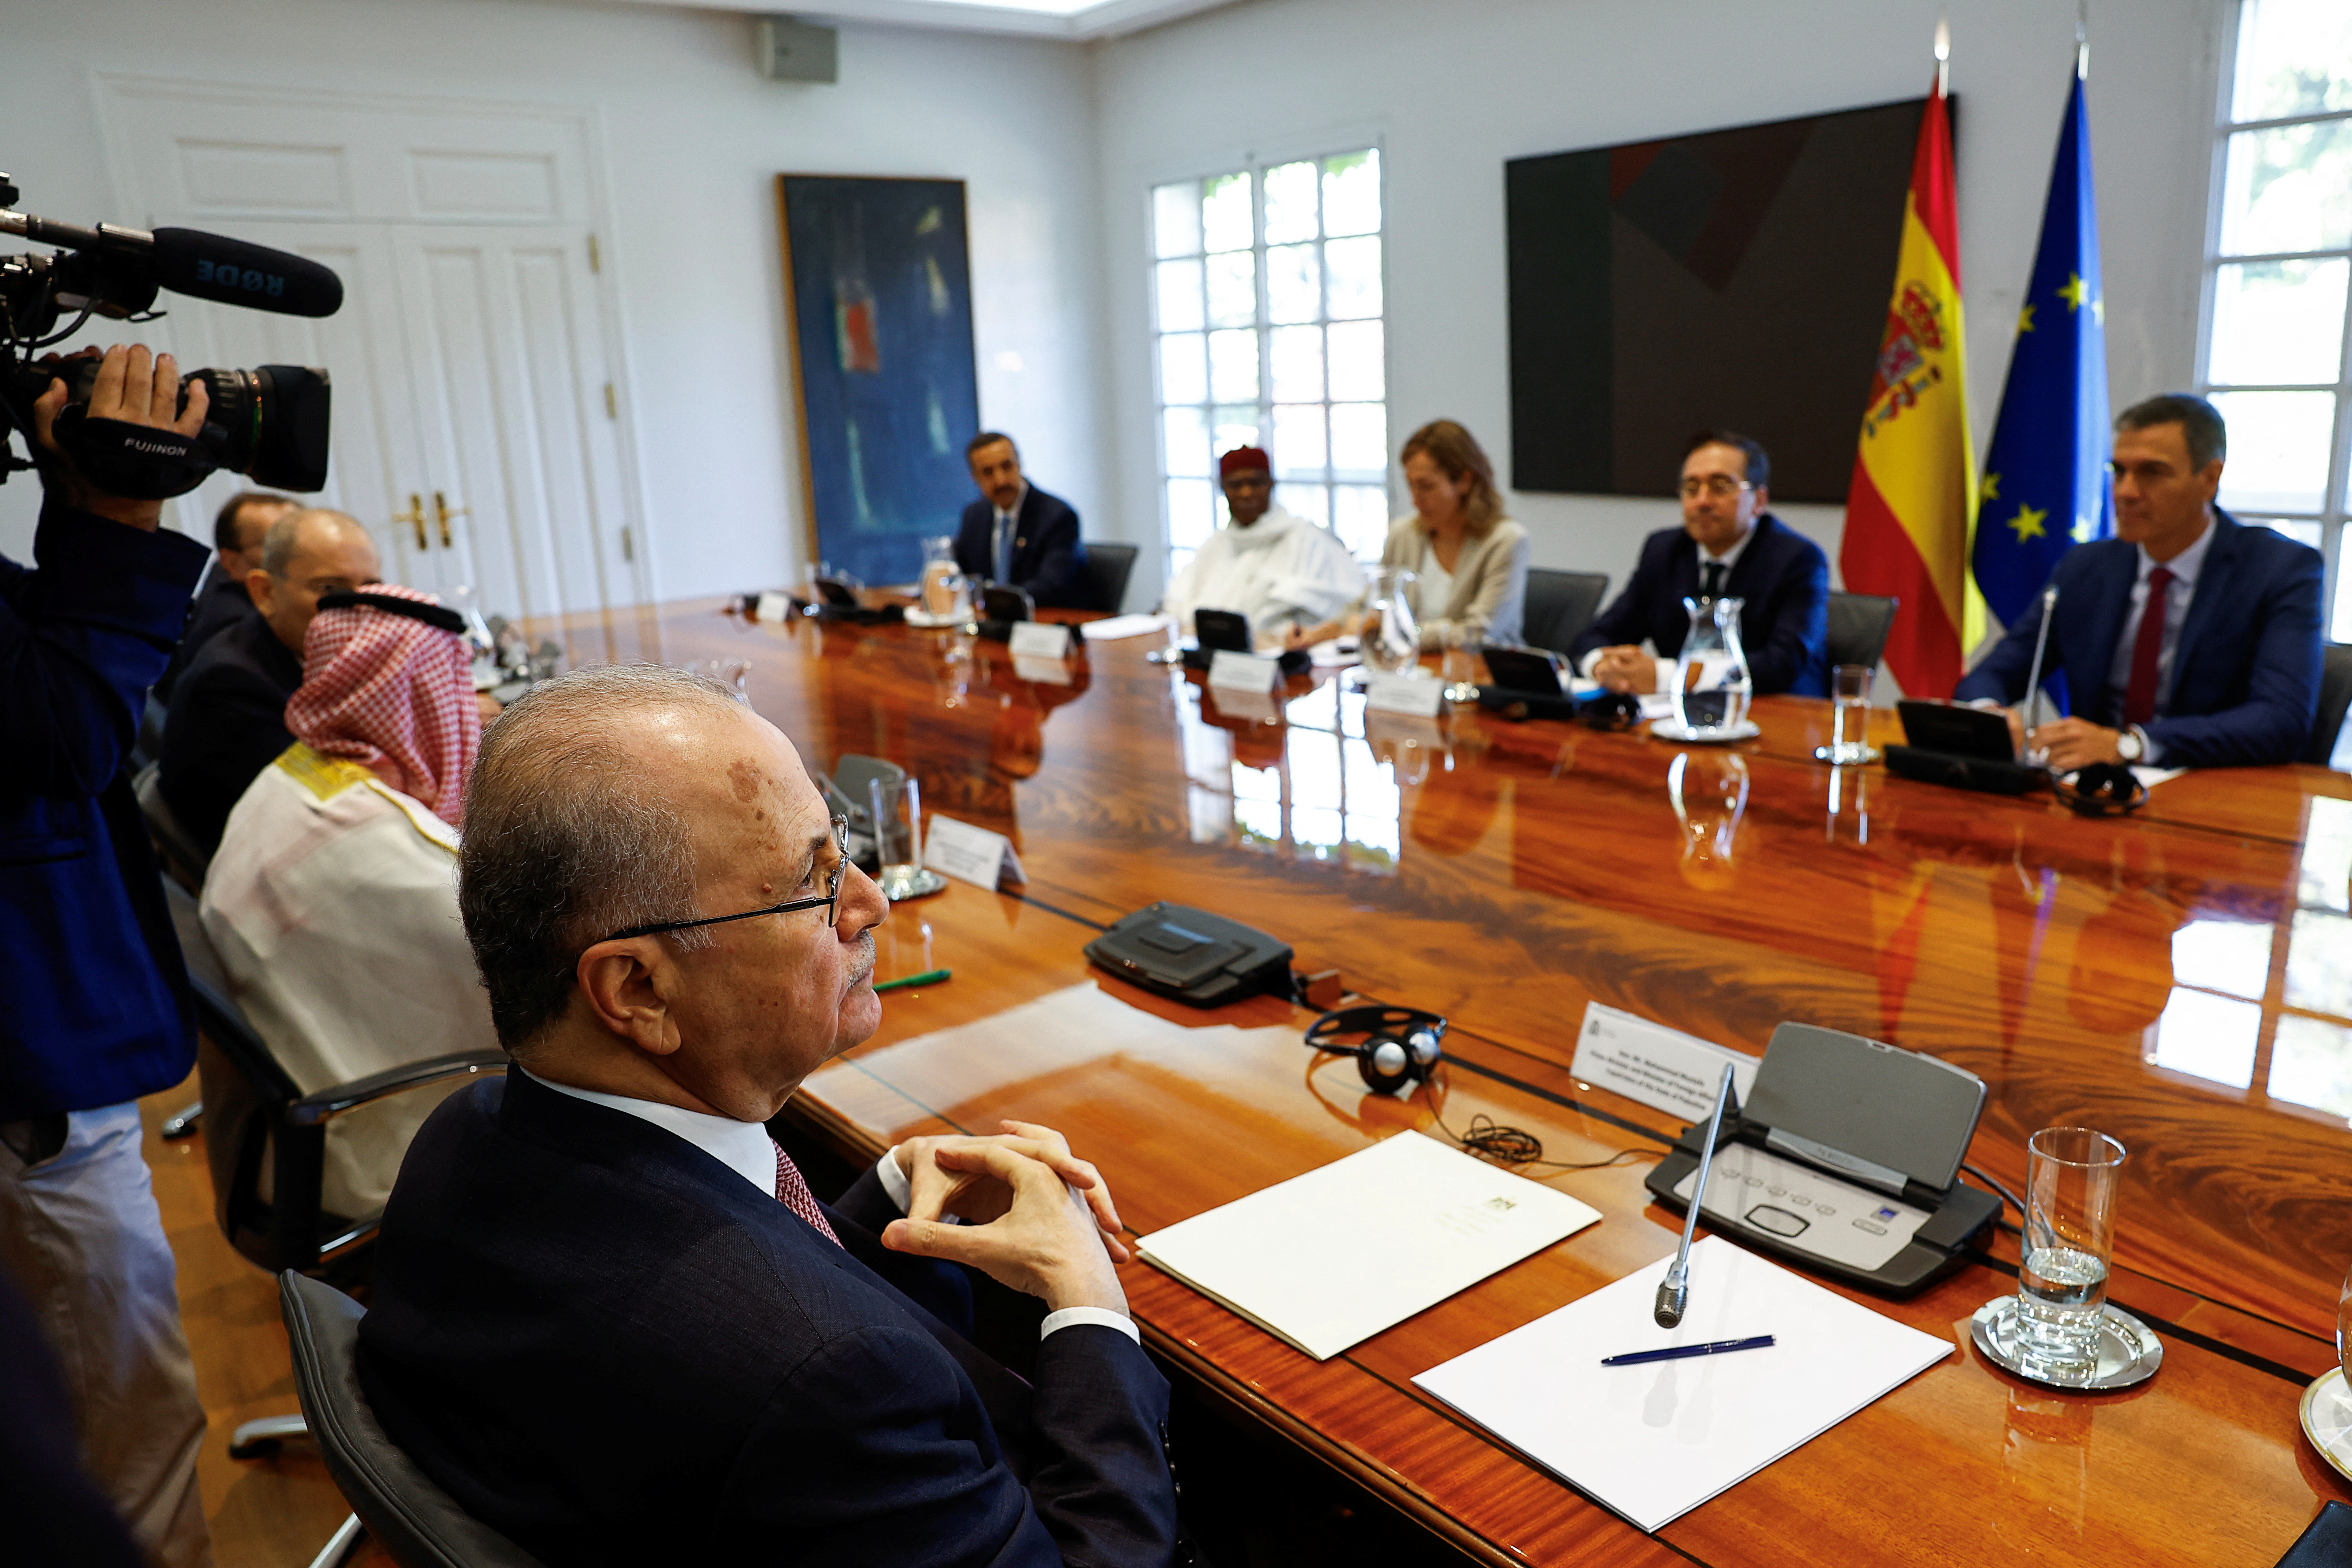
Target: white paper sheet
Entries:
(1335, 1255)
(1654, 1441)
(1117, 626)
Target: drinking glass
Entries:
(1454, 663)
(2072, 1177)
(897, 817)
(1850, 718)
(734, 674)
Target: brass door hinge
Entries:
(596, 257)
(612, 403)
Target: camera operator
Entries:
(98, 1013)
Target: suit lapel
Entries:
(2087, 658)
(2212, 591)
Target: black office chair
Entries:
(2335, 697)
(1560, 604)
(149, 746)
(1859, 627)
(1109, 566)
(398, 1505)
(182, 855)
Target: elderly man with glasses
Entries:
(610, 1317)
(1729, 546)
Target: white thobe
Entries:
(1280, 570)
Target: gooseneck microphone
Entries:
(199, 265)
(1673, 1296)
(2033, 676)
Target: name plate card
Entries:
(1657, 1066)
(1244, 671)
(971, 854)
(1404, 694)
(773, 606)
(1050, 671)
(1040, 639)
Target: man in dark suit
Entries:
(238, 530)
(1729, 546)
(2228, 674)
(609, 1316)
(227, 719)
(1019, 535)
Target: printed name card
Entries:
(1244, 671)
(1051, 671)
(1040, 639)
(1404, 694)
(971, 854)
(773, 606)
(1657, 1066)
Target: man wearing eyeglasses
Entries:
(610, 1317)
(1729, 546)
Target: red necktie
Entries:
(2139, 697)
(793, 1192)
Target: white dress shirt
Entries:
(2184, 568)
(745, 1148)
(1665, 670)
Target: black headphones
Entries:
(2103, 789)
(1400, 1046)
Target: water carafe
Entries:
(1711, 682)
(1395, 642)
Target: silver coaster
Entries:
(2129, 1352)
(1867, 755)
(914, 884)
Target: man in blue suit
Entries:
(97, 1011)
(610, 1317)
(2227, 675)
(1018, 535)
(1730, 546)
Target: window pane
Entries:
(1359, 438)
(2278, 450)
(2319, 963)
(1312, 502)
(1176, 561)
(1184, 368)
(1293, 284)
(1359, 516)
(2278, 322)
(1180, 296)
(1225, 212)
(1358, 372)
(2311, 1064)
(1192, 513)
(1233, 290)
(2288, 188)
(1232, 427)
(1352, 194)
(2342, 630)
(1298, 439)
(2224, 955)
(1353, 276)
(2294, 57)
(1186, 434)
(1289, 203)
(1176, 219)
(1233, 366)
(2208, 1036)
(1295, 362)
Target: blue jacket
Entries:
(1784, 627)
(2245, 672)
(613, 1348)
(97, 1009)
(1047, 558)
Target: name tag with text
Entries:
(1244, 671)
(971, 854)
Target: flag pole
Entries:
(2082, 40)
(1943, 55)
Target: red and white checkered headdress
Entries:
(393, 694)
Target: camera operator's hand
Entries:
(136, 391)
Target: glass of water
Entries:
(734, 674)
(897, 817)
(2071, 1180)
(1850, 718)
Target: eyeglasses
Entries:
(829, 903)
(1715, 485)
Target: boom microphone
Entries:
(233, 273)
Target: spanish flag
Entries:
(1912, 506)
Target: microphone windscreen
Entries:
(233, 273)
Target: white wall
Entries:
(693, 138)
(1451, 91)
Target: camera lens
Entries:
(270, 423)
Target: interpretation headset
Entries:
(2103, 789)
(1400, 1044)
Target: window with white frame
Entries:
(2279, 274)
(1267, 332)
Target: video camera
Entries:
(268, 422)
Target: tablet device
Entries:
(1533, 670)
(1956, 731)
(1226, 631)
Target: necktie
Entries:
(1004, 548)
(2139, 697)
(793, 1192)
(1712, 587)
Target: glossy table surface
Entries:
(2181, 978)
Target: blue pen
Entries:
(1677, 1353)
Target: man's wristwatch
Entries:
(2130, 744)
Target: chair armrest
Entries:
(328, 1103)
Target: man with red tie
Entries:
(2188, 639)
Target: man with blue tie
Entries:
(1018, 535)
(2225, 672)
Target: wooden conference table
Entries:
(2155, 977)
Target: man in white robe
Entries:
(1279, 570)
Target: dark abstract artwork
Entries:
(1736, 279)
(878, 284)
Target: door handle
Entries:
(445, 511)
(415, 514)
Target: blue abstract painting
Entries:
(880, 291)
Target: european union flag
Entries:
(2045, 484)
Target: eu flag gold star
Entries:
(2028, 524)
(2075, 292)
(2025, 319)
(1991, 489)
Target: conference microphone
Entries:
(199, 265)
(2033, 676)
(1673, 1295)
